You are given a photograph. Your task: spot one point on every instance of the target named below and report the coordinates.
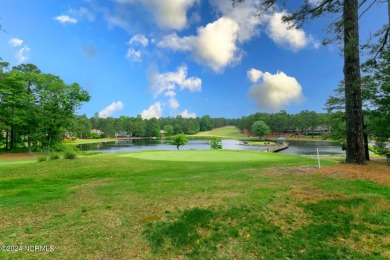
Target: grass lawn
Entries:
(190, 204)
(227, 132)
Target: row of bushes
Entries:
(55, 156)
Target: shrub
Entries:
(54, 156)
(70, 155)
(215, 143)
(42, 158)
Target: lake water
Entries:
(296, 147)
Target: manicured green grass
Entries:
(227, 132)
(190, 204)
(261, 143)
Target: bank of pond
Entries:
(134, 145)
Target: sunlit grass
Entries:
(190, 204)
(227, 132)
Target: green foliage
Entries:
(179, 140)
(42, 158)
(168, 130)
(380, 147)
(215, 143)
(260, 128)
(54, 156)
(36, 105)
(70, 155)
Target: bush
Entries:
(70, 155)
(54, 156)
(42, 158)
(215, 143)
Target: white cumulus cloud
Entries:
(170, 81)
(111, 109)
(278, 31)
(173, 103)
(22, 54)
(215, 45)
(246, 14)
(139, 39)
(154, 110)
(254, 75)
(276, 91)
(15, 42)
(66, 19)
(186, 114)
(170, 14)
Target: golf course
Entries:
(217, 204)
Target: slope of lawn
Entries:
(189, 204)
(227, 132)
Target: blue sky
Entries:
(177, 57)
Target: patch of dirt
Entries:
(377, 171)
(8, 156)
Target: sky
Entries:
(191, 58)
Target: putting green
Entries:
(208, 155)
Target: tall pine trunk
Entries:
(353, 96)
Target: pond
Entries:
(296, 147)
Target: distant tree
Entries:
(179, 140)
(205, 123)
(81, 127)
(177, 129)
(260, 128)
(152, 128)
(215, 143)
(168, 130)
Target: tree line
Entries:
(126, 126)
(305, 122)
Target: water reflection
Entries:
(133, 145)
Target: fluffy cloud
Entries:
(22, 54)
(66, 19)
(173, 103)
(186, 114)
(153, 111)
(217, 45)
(244, 14)
(214, 46)
(170, 14)
(111, 109)
(275, 91)
(167, 84)
(15, 42)
(170, 81)
(278, 31)
(254, 75)
(139, 39)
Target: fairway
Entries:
(227, 132)
(212, 156)
(217, 204)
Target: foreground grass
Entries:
(194, 204)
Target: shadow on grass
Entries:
(246, 231)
